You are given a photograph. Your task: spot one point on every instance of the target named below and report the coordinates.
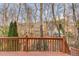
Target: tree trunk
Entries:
(55, 18)
(41, 25)
(74, 19)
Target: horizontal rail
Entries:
(74, 51)
(34, 38)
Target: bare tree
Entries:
(53, 12)
(5, 17)
(74, 19)
(46, 14)
(76, 25)
(41, 20)
(64, 14)
(35, 15)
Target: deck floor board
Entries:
(33, 54)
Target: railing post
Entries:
(63, 45)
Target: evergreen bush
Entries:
(13, 44)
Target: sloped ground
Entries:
(37, 53)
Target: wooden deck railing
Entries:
(55, 44)
(74, 51)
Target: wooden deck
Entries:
(33, 54)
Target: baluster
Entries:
(23, 44)
(16, 44)
(35, 44)
(13, 44)
(27, 43)
(2, 44)
(31, 41)
(30, 44)
(58, 45)
(48, 45)
(63, 46)
(55, 46)
(51, 45)
(21, 47)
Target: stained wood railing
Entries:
(55, 44)
(74, 51)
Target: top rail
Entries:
(34, 38)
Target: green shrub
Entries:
(13, 44)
